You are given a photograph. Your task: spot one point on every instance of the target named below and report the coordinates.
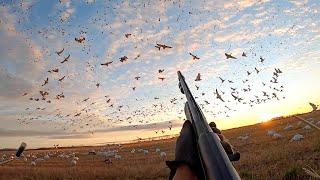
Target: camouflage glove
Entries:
(186, 152)
(232, 154)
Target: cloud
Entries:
(12, 87)
(65, 15)
(68, 10)
(21, 133)
(21, 59)
(27, 4)
(64, 135)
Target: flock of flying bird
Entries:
(220, 95)
(228, 93)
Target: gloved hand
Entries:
(186, 152)
(232, 154)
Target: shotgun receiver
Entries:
(214, 160)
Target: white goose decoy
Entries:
(277, 136)
(118, 157)
(307, 127)
(33, 163)
(145, 151)
(297, 137)
(39, 159)
(133, 151)
(270, 133)
(243, 137)
(46, 157)
(288, 127)
(163, 154)
(73, 162)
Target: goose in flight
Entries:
(80, 40)
(106, 64)
(127, 35)
(198, 78)
(229, 56)
(194, 57)
(61, 79)
(163, 46)
(314, 107)
(222, 80)
(218, 95)
(65, 59)
(45, 82)
(53, 70)
(60, 52)
(124, 58)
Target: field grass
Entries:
(262, 157)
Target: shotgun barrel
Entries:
(214, 160)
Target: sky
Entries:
(94, 103)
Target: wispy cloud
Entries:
(285, 34)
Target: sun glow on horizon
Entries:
(267, 117)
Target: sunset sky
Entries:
(285, 34)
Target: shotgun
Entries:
(215, 162)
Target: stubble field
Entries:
(262, 156)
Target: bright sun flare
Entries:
(266, 117)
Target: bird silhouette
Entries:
(80, 40)
(194, 57)
(45, 82)
(106, 63)
(314, 107)
(163, 46)
(127, 35)
(161, 78)
(60, 52)
(85, 100)
(278, 70)
(61, 79)
(124, 58)
(228, 56)
(198, 78)
(218, 95)
(222, 80)
(53, 70)
(137, 57)
(257, 71)
(66, 59)
(234, 96)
